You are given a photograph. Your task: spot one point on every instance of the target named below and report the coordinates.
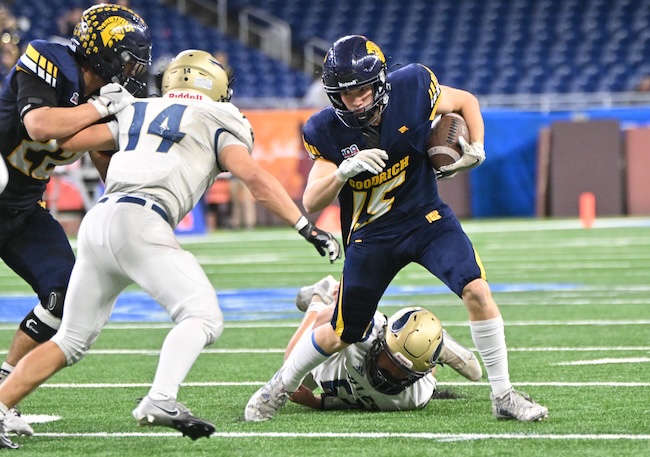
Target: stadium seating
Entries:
(485, 46)
(256, 75)
(492, 46)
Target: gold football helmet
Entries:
(197, 71)
(412, 340)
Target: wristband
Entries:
(301, 224)
(339, 176)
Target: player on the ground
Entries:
(169, 152)
(369, 150)
(42, 100)
(392, 370)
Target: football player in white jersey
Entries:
(392, 369)
(169, 151)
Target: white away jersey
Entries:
(343, 375)
(169, 149)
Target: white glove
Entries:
(4, 175)
(371, 160)
(473, 156)
(112, 99)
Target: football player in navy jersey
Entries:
(42, 100)
(369, 150)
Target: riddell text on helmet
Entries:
(186, 95)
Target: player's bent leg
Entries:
(459, 358)
(170, 413)
(33, 370)
(193, 331)
(37, 327)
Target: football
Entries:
(443, 147)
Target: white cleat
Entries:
(323, 288)
(264, 403)
(13, 422)
(519, 406)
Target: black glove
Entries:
(323, 241)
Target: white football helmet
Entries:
(197, 71)
(412, 339)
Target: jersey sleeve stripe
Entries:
(39, 65)
(434, 93)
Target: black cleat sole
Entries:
(194, 429)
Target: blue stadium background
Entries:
(568, 58)
(485, 46)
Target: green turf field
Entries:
(577, 308)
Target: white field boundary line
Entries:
(254, 325)
(281, 350)
(373, 435)
(261, 383)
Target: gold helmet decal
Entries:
(372, 48)
(114, 29)
(111, 30)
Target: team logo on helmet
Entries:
(372, 48)
(111, 30)
(114, 29)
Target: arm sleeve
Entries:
(33, 92)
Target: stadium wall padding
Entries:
(505, 184)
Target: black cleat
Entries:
(170, 413)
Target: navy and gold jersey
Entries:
(45, 75)
(407, 186)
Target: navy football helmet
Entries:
(352, 62)
(116, 43)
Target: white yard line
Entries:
(261, 383)
(252, 325)
(281, 350)
(375, 435)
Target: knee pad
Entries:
(211, 325)
(43, 321)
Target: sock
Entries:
(316, 306)
(5, 371)
(306, 355)
(490, 341)
(3, 409)
(181, 348)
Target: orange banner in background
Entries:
(278, 146)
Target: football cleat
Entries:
(264, 403)
(519, 406)
(3, 374)
(170, 413)
(323, 288)
(5, 442)
(459, 358)
(13, 422)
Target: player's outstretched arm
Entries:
(269, 192)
